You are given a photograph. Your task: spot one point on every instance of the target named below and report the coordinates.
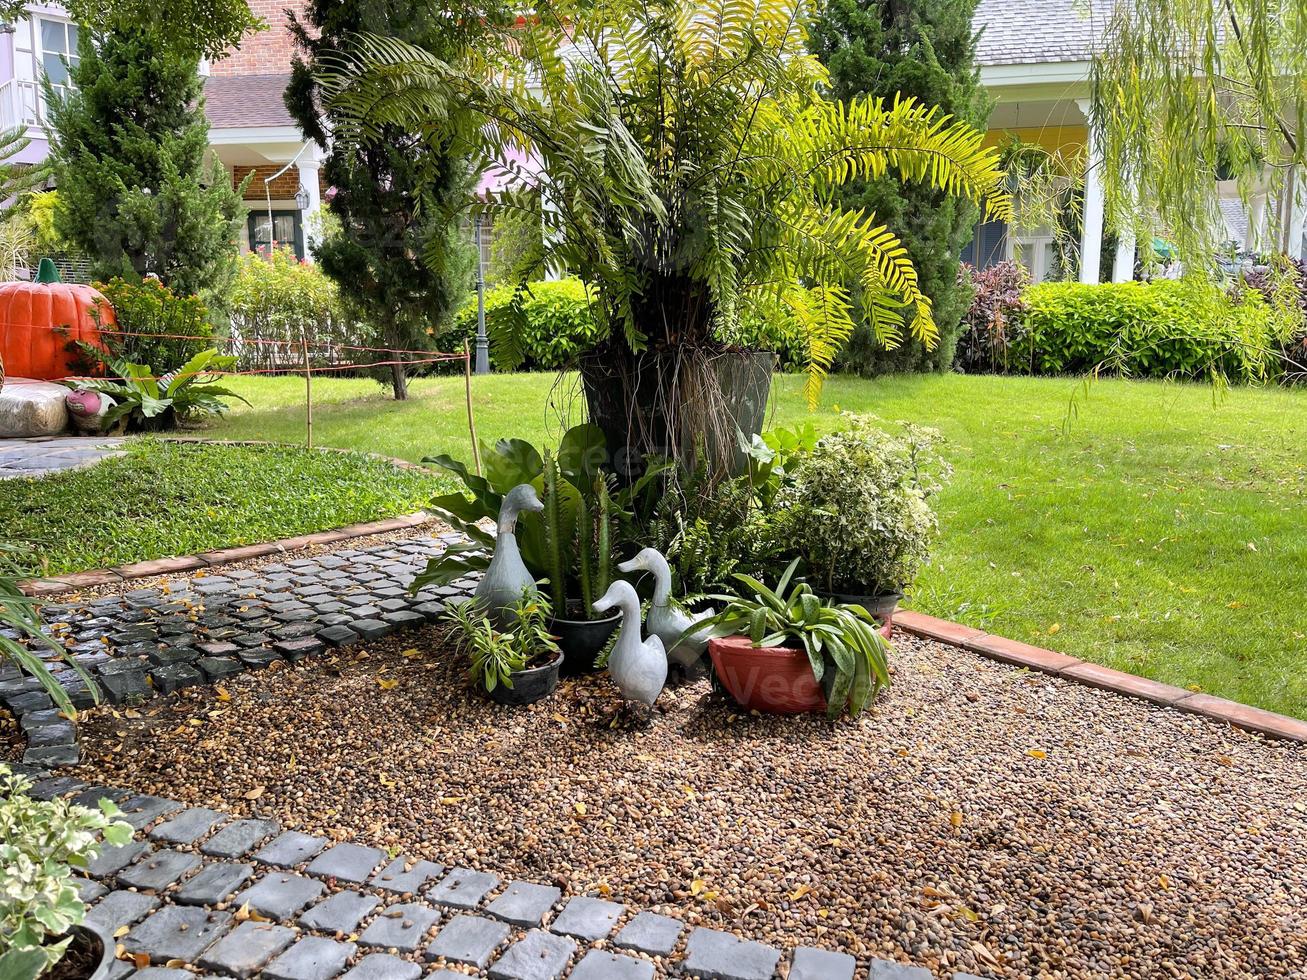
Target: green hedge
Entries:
(551, 325)
(1168, 328)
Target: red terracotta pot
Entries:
(777, 680)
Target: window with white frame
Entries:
(41, 43)
(58, 49)
(1037, 252)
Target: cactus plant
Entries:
(570, 543)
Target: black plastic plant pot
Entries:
(529, 686)
(881, 607)
(581, 640)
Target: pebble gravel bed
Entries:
(981, 819)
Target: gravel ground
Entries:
(981, 818)
(12, 742)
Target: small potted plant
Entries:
(856, 513)
(787, 653)
(42, 932)
(514, 666)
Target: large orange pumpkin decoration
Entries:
(39, 320)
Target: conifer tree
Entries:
(924, 49)
(395, 249)
(127, 151)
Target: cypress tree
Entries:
(127, 152)
(924, 49)
(395, 248)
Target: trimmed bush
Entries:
(278, 301)
(1185, 328)
(152, 319)
(543, 326)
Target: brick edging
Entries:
(57, 584)
(1020, 654)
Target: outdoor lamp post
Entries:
(483, 345)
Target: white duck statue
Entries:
(638, 666)
(666, 620)
(507, 578)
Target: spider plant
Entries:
(496, 655)
(844, 647)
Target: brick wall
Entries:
(267, 52)
(282, 189)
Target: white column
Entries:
(1123, 264)
(1298, 221)
(1091, 235)
(1256, 238)
(308, 174)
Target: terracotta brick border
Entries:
(58, 584)
(1105, 678)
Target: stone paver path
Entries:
(201, 629)
(43, 455)
(247, 898)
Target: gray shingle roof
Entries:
(238, 101)
(1027, 32)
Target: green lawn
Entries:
(175, 499)
(1165, 533)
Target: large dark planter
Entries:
(774, 680)
(529, 686)
(630, 406)
(881, 607)
(581, 640)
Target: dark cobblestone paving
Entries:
(248, 898)
(205, 628)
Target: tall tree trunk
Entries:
(399, 380)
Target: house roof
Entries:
(1029, 32)
(246, 101)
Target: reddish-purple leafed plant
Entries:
(993, 320)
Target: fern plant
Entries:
(682, 157)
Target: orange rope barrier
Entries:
(362, 365)
(255, 341)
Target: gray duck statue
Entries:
(638, 666)
(665, 620)
(507, 578)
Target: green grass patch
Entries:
(163, 499)
(1164, 532)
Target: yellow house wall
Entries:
(1067, 139)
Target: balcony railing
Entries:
(22, 103)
